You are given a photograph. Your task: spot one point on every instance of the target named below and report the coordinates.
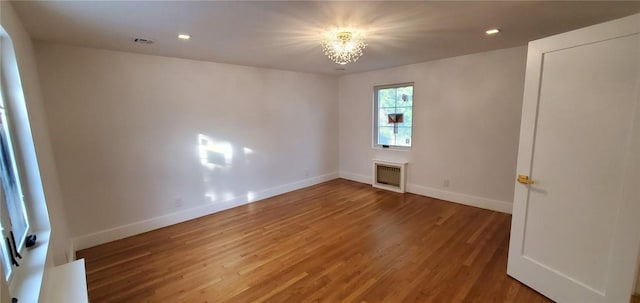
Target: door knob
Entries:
(524, 179)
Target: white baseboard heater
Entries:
(389, 175)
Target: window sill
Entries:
(393, 148)
(65, 283)
(27, 278)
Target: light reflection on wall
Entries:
(228, 196)
(217, 157)
(214, 154)
(211, 197)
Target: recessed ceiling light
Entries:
(492, 31)
(184, 36)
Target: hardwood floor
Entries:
(339, 241)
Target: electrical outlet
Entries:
(446, 183)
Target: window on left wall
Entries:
(14, 223)
(23, 207)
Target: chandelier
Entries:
(344, 45)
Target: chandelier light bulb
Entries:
(343, 46)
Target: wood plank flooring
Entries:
(339, 241)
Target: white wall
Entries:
(41, 175)
(125, 133)
(466, 126)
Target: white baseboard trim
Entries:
(486, 203)
(460, 198)
(356, 177)
(120, 232)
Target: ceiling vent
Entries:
(142, 41)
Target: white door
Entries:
(575, 232)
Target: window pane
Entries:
(11, 183)
(407, 116)
(383, 116)
(403, 138)
(5, 227)
(405, 96)
(387, 97)
(386, 135)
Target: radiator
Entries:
(389, 175)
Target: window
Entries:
(13, 217)
(19, 174)
(393, 112)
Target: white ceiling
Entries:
(286, 35)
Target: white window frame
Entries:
(376, 145)
(17, 198)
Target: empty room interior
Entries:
(320, 151)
